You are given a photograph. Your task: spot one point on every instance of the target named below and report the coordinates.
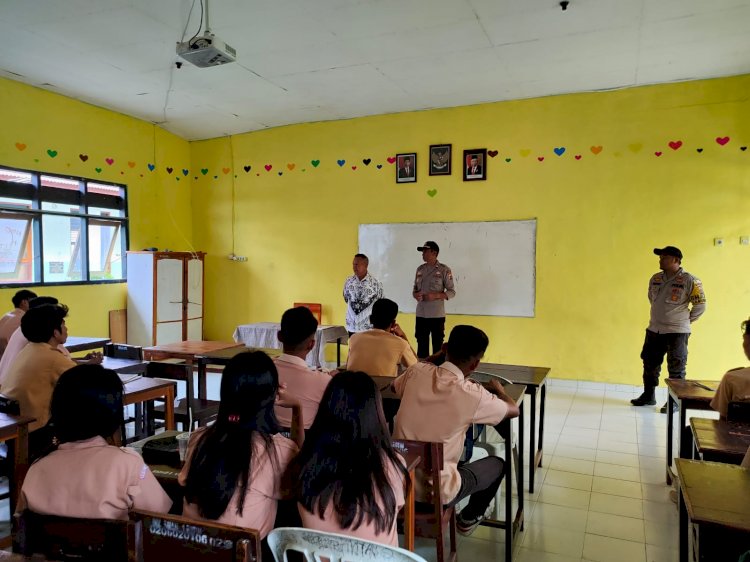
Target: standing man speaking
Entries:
(433, 285)
(677, 300)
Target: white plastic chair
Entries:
(336, 548)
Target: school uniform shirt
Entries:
(263, 491)
(330, 524)
(302, 383)
(9, 323)
(438, 404)
(32, 377)
(15, 344)
(734, 387)
(91, 479)
(746, 460)
(379, 353)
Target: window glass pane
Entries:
(105, 189)
(60, 207)
(15, 176)
(106, 212)
(61, 242)
(14, 202)
(105, 250)
(16, 249)
(60, 183)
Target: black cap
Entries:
(429, 245)
(668, 251)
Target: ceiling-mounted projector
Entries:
(206, 50)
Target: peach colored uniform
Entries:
(91, 479)
(366, 530)
(379, 353)
(9, 324)
(438, 405)
(16, 343)
(746, 460)
(259, 511)
(734, 387)
(32, 377)
(302, 383)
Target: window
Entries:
(56, 229)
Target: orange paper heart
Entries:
(20, 146)
(596, 149)
(131, 164)
(226, 170)
(290, 166)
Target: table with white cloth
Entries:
(265, 334)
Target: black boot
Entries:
(645, 399)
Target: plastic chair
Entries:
(173, 537)
(316, 545)
(315, 307)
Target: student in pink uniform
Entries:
(86, 476)
(12, 320)
(735, 384)
(233, 468)
(348, 477)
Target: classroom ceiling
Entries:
(316, 60)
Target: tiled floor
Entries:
(600, 495)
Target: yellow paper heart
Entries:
(525, 152)
(635, 147)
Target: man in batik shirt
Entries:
(361, 290)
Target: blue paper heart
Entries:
(185, 172)
(341, 162)
(560, 151)
(151, 167)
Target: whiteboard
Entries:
(493, 263)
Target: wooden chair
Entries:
(739, 411)
(432, 520)
(125, 351)
(70, 538)
(319, 545)
(187, 409)
(173, 537)
(7, 468)
(315, 307)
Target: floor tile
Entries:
(663, 535)
(660, 554)
(606, 444)
(617, 487)
(656, 492)
(568, 479)
(554, 540)
(572, 452)
(526, 555)
(616, 526)
(551, 515)
(659, 511)
(607, 470)
(572, 465)
(605, 549)
(565, 496)
(622, 459)
(616, 505)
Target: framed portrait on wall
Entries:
(406, 167)
(475, 164)
(440, 159)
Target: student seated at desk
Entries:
(297, 336)
(735, 384)
(383, 349)
(439, 403)
(86, 476)
(12, 320)
(348, 478)
(233, 468)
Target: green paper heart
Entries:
(432, 192)
(98, 170)
(204, 171)
(52, 153)
(315, 163)
(507, 159)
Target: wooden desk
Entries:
(165, 474)
(187, 351)
(412, 462)
(714, 510)
(15, 429)
(222, 357)
(688, 396)
(720, 440)
(74, 344)
(143, 390)
(535, 380)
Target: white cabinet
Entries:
(165, 297)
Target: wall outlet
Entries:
(718, 241)
(745, 240)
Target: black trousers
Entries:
(675, 346)
(480, 480)
(426, 327)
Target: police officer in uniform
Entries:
(677, 300)
(433, 285)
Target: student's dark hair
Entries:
(465, 343)
(346, 455)
(86, 402)
(363, 257)
(39, 324)
(746, 326)
(39, 301)
(220, 461)
(384, 313)
(297, 324)
(22, 295)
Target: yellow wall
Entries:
(598, 217)
(35, 121)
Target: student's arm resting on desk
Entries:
(298, 425)
(495, 401)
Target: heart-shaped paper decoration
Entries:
(525, 152)
(674, 145)
(559, 150)
(131, 164)
(596, 149)
(185, 171)
(577, 156)
(83, 157)
(433, 192)
(391, 160)
(151, 167)
(492, 153)
(378, 166)
(354, 167)
(657, 153)
(268, 167)
(341, 162)
(366, 161)
(315, 163)
(507, 159)
(722, 140)
(540, 158)
(169, 169)
(109, 161)
(177, 178)
(635, 147)
(290, 166)
(20, 146)
(281, 173)
(743, 148)
(204, 171)
(52, 153)
(247, 168)
(98, 170)
(699, 150)
(226, 170)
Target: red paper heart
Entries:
(109, 161)
(268, 167)
(657, 153)
(391, 160)
(722, 140)
(492, 153)
(540, 158)
(578, 156)
(674, 145)
(354, 167)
